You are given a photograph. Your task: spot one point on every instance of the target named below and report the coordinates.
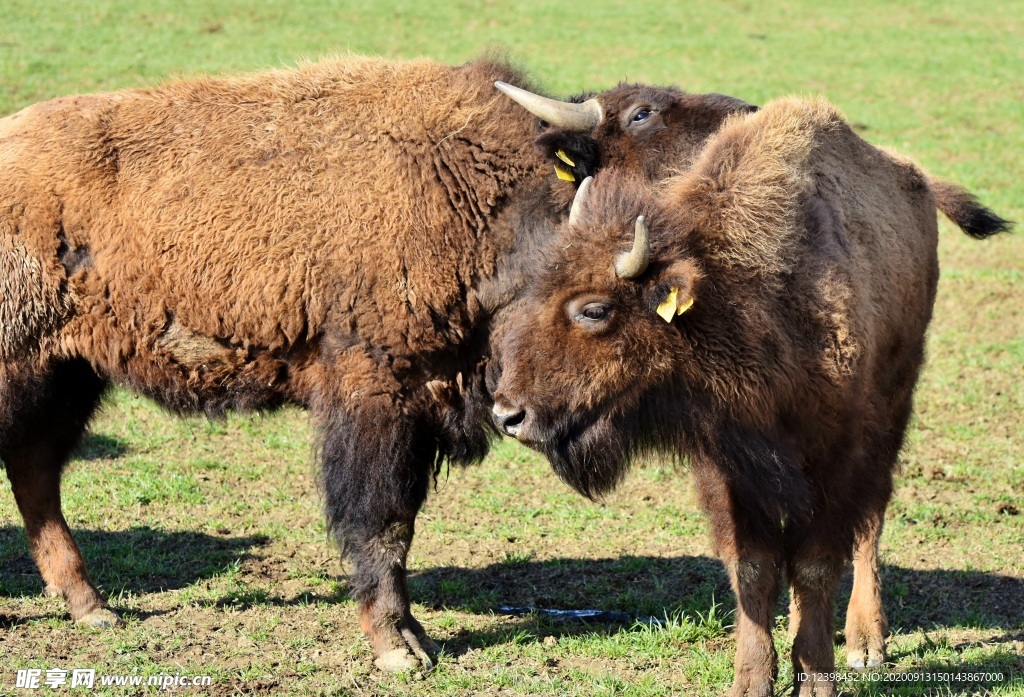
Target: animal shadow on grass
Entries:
(625, 588)
(927, 600)
(138, 560)
(100, 446)
(640, 587)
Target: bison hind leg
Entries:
(866, 625)
(43, 414)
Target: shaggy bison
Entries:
(763, 313)
(655, 132)
(337, 236)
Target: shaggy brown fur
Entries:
(266, 193)
(336, 236)
(810, 258)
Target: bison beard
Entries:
(592, 455)
(592, 458)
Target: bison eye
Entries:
(641, 114)
(593, 312)
(590, 312)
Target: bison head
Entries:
(593, 346)
(647, 130)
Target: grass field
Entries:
(209, 538)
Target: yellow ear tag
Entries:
(684, 307)
(667, 309)
(560, 154)
(564, 174)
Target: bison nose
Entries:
(508, 419)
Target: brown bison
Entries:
(657, 132)
(763, 313)
(337, 236)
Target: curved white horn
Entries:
(578, 200)
(575, 117)
(634, 262)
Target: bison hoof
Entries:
(752, 688)
(861, 660)
(100, 618)
(418, 653)
(397, 661)
(423, 646)
(818, 689)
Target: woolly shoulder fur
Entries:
(349, 201)
(824, 244)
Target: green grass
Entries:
(209, 537)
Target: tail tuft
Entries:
(964, 209)
(982, 222)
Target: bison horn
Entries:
(577, 202)
(575, 117)
(634, 262)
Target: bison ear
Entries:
(674, 289)
(575, 156)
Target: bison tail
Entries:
(963, 208)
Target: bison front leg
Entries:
(755, 580)
(399, 640)
(749, 544)
(376, 470)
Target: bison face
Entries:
(592, 347)
(646, 130)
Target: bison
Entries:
(762, 314)
(656, 132)
(337, 236)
